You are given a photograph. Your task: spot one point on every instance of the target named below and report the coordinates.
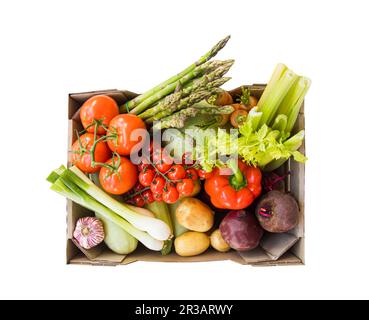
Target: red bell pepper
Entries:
(234, 188)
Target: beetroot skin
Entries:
(241, 230)
(277, 212)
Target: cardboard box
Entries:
(275, 249)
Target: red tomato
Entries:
(148, 196)
(185, 187)
(158, 197)
(123, 125)
(187, 159)
(83, 159)
(170, 194)
(143, 166)
(121, 180)
(176, 172)
(192, 174)
(138, 200)
(203, 174)
(163, 166)
(145, 177)
(162, 160)
(157, 185)
(138, 187)
(101, 108)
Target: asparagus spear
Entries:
(178, 120)
(182, 104)
(198, 71)
(206, 57)
(174, 98)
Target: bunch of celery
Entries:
(274, 118)
(74, 185)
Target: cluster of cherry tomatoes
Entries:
(104, 147)
(163, 179)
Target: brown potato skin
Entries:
(284, 212)
(191, 243)
(195, 215)
(217, 241)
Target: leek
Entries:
(155, 227)
(70, 190)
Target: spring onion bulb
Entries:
(155, 227)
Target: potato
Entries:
(191, 243)
(217, 241)
(195, 215)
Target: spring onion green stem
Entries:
(155, 227)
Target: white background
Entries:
(49, 49)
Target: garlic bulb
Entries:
(89, 232)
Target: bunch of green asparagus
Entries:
(175, 99)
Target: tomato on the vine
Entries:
(170, 194)
(203, 174)
(148, 196)
(99, 108)
(185, 187)
(162, 161)
(144, 165)
(176, 172)
(187, 159)
(192, 174)
(120, 179)
(120, 129)
(138, 200)
(145, 177)
(138, 187)
(158, 197)
(81, 153)
(157, 185)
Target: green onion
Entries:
(155, 227)
(70, 190)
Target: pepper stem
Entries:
(237, 180)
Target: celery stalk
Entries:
(298, 99)
(280, 123)
(292, 96)
(155, 227)
(254, 118)
(68, 189)
(279, 91)
(292, 145)
(279, 70)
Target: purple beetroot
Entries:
(277, 212)
(241, 230)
